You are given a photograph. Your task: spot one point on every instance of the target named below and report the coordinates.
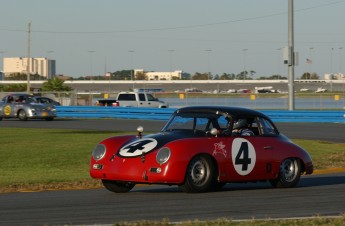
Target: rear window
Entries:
(127, 97)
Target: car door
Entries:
(252, 157)
(142, 100)
(9, 107)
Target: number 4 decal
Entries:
(243, 156)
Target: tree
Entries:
(200, 76)
(140, 76)
(13, 88)
(55, 84)
(226, 76)
(307, 75)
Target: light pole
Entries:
(278, 60)
(340, 59)
(170, 59)
(91, 62)
(132, 69)
(244, 63)
(310, 61)
(208, 63)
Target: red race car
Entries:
(201, 149)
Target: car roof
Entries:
(234, 111)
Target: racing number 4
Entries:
(242, 157)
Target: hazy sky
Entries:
(93, 36)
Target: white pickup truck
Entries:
(133, 99)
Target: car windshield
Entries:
(196, 121)
(30, 99)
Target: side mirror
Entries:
(140, 130)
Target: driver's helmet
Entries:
(240, 123)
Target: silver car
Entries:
(24, 107)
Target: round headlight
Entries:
(163, 155)
(99, 152)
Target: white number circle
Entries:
(243, 156)
(138, 147)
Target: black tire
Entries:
(200, 176)
(289, 174)
(118, 187)
(50, 119)
(22, 115)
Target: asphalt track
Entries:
(315, 195)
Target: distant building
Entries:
(335, 76)
(41, 66)
(154, 75)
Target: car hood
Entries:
(138, 146)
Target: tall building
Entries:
(41, 66)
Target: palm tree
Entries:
(55, 84)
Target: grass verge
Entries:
(43, 159)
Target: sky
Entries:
(91, 37)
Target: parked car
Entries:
(201, 149)
(107, 102)
(24, 107)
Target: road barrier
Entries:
(163, 114)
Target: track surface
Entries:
(314, 195)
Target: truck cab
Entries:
(139, 99)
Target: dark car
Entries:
(201, 149)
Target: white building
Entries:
(42, 66)
(155, 75)
(335, 76)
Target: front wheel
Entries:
(118, 187)
(201, 175)
(289, 174)
(22, 115)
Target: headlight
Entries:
(163, 155)
(99, 152)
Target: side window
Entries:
(201, 123)
(266, 128)
(150, 97)
(255, 127)
(222, 122)
(141, 97)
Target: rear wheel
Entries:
(22, 115)
(289, 174)
(201, 175)
(118, 187)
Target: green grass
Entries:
(337, 221)
(54, 158)
(46, 156)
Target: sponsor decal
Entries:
(138, 147)
(243, 156)
(219, 148)
(7, 110)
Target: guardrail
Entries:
(164, 114)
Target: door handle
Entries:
(267, 147)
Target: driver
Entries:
(241, 127)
